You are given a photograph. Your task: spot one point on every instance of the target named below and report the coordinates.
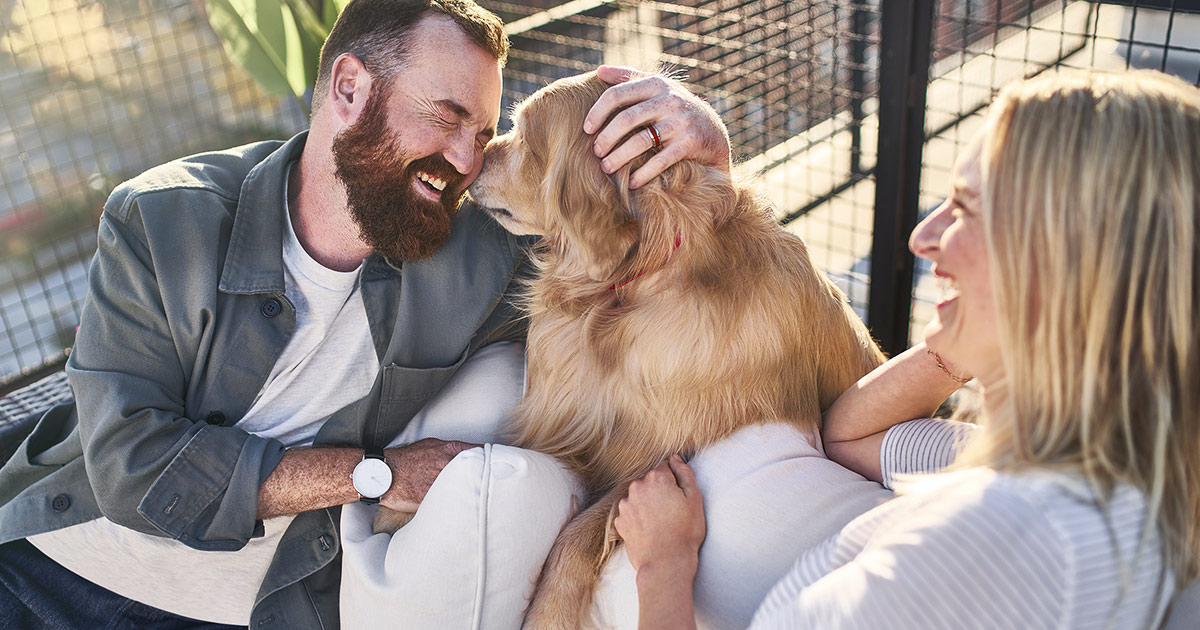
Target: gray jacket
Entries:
(184, 319)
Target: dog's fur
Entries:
(661, 320)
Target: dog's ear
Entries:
(596, 228)
(687, 203)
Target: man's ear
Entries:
(349, 87)
(595, 226)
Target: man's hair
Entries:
(378, 33)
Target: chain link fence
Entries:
(977, 47)
(92, 93)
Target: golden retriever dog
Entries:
(661, 320)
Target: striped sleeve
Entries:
(991, 564)
(921, 446)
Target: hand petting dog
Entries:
(685, 126)
(661, 523)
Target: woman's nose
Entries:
(925, 237)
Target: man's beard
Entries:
(392, 217)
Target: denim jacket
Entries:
(185, 317)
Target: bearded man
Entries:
(262, 322)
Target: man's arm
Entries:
(157, 471)
(314, 478)
(152, 468)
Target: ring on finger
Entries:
(654, 137)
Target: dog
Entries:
(660, 320)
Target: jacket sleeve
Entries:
(153, 469)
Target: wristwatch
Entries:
(371, 477)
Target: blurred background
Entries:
(850, 113)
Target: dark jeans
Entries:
(36, 593)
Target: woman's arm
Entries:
(662, 524)
(910, 385)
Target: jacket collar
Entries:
(254, 262)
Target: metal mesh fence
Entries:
(794, 81)
(980, 46)
(93, 92)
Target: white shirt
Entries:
(980, 549)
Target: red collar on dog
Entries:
(614, 287)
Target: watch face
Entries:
(372, 478)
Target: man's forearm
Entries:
(309, 479)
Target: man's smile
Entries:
(431, 185)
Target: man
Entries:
(246, 305)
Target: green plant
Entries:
(277, 42)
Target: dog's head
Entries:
(542, 177)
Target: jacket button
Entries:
(271, 307)
(61, 502)
(216, 418)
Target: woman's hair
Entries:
(1091, 201)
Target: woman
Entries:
(1070, 255)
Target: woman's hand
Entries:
(662, 524)
(687, 126)
(662, 519)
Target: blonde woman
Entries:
(1070, 252)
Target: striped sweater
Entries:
(978, 549)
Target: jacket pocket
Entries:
(403, 392)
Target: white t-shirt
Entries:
(329, 363)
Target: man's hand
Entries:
(414, 468)
(688, 127)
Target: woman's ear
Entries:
(596, 225)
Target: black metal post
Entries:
(905, 44)
(858, 85)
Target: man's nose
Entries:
(463, 154)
